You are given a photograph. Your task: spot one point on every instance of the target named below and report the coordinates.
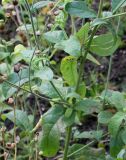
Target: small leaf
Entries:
(89, 134)
(71, 46)
(68, 112)
(50, 137)
(82, 34)
(115, 122)
(92, 59)
(82, 90)
(54, 36)
(45, 74)
(40, 4)
(69, 70)
(80, 9)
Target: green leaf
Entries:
(116, 144)
(69, 70)
(82, 34)
(3, 55)
(71, 46)
(116, 4)
(104, 117)
(115, 122)
(88, 106)
(86, 153)
(117, 99)
(92, 59)
(22, 120)
(45, 74)
(16, 79)
(40, 4)
(54, 36)
(123, 135)
(104, 45)
(89, 134)
(16, 56)
(50, 137)
(79, 9)
(82, 90)
(47, 89)
(69, 120)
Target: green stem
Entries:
(32, 23)
(69, 129)
(100, 8)
(39, 96)
(83, 59)
(113, 16)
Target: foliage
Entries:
(28, 68)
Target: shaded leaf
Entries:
(116, 4)
(50, 137)
(80, 9)
(115, 122)
(22, 120)
(88, 106)
(104, 117)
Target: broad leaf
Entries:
(116, 4)
(22, 120)
(54, 36)
(50, 137)
(104, 117)
(104, 45)
(71, 46)
(69, 70)
(47, 89)
(115, 122)
(88, 106)
(80, 9)
(44, 73)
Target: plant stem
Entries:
(100, 8)
(69, 129)
(32, 23)
(39, 96)
(83, 59)
(113, 16)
